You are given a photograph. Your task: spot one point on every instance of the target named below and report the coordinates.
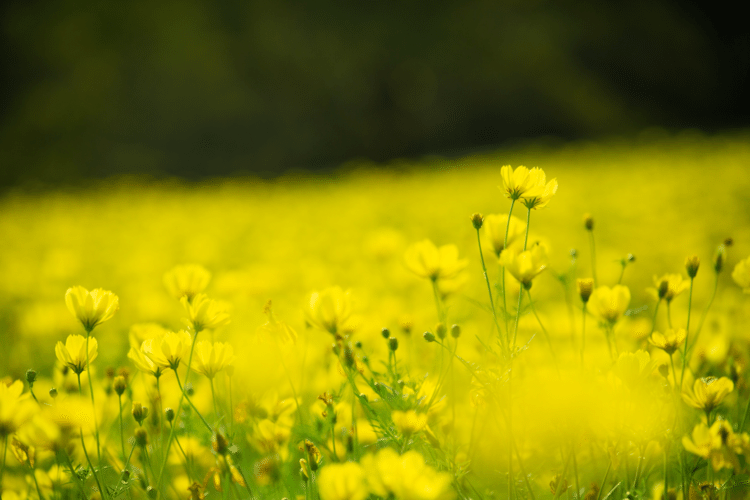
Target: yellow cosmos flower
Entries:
(343, 482)
(212, 357)
(708, 393)
(91, 308)
(169, 350)
(668, 287)
(541, 191)
(204, 312)
(516, 182)
(741, 274)
(718, 444)
(275, 329)
(186, 281)
(494, 229)
(524, 266)
(143, 362)
(391, 475)
(428, 261)
(670, 341)
(409, 422)
(73, 352)
(329, 309)
(609, 304)
(16, 409)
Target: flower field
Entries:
(387, 333)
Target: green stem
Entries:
(528, 222)
(622, 272)
(74, 475)
(708, 306)
(666, 471)
(674, 372)
(669, 313)
(2, 468)
(575, 470)
(502, 271)
(638, 469)
(93, 404)
(122, 435)
(515, 327)
(653, 321)
(604, 481)
(213, 396)
(583, 334)
(208, 426)
(436, 293)
(489, 287)
(558, 490)
(744, 418)
(687, 331)
(83, 444)
(593, 257)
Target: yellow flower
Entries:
(409, 422)
(329, 309)
(524, 266)
(342, 482)
(708, 393)
(16, 409)
(516, 182)
(73, 352)
(741, 274)
(406, 476)
(169, 350)
(674, 286)
(144, 363)
(608, 304)
(276, 329)
(718, 444)
(186, 281)
(204, 312)
(428, 261)
(91, 308)
(670, 341)
(494, 230)
(144, 331)
(541, 191)
(210, 358)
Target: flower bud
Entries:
(220, 444)
(358, 344)
(477, 220)
(721, 253)
(152, 492)
(630, 257)
(663, 288)
(441, 331)
(119, 385)
(385, 333)
(141, 437)
(393, 343)
(585, 287)
(125, 476)
(169, 413)
(140, 412)
(53, 393)
(455, 331)
(30, 377)
(692, 264)
(429, 337)
(588, 222)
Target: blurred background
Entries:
(197, 88)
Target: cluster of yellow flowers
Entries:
(538, 378)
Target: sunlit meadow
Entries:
(387, 333)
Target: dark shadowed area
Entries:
(197, 88)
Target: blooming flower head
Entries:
(428, 261)
(718, 444)
(708, 393)
(343, 482)
(143, 362)
(212, 357)
(15, 408)
(669, 341)
(494, 230)
(516, 182)
(204, 312)
(524, 266)
(329, 309)
(541, 191)
(407, 476)
(186, 281)
(91, 308)
(609, 304)
(169, 350)
(73, 352)
(741, 274)
(668, 286)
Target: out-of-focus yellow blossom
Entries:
(718, 444)
(408, 422)
(91, 308)
(541, 191)
(517, 182)
(708, 393)
(329, 309)
(276, 330)
(633, 368)
(186, 281)
(525, 266)
(343, 482)
(609, 304)
(405, 477)
(741, 274)
(428, 261)
(204, 312)
(494, 229)
(169, 350)
(675, 285)
(16, 409)
(669, 341)
(73, 352)
(144, 331)
(212, 357)
(657, 493)
(144, 363)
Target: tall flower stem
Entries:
(5, 452)
(83, 444)
(593, 257)
(653, 321)
(213, 396)
(93, 404)
(489, 288)
(687, 331)
(583, 333)
(208, 426)
(122, 435)
(436, 294)
(502, 271)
